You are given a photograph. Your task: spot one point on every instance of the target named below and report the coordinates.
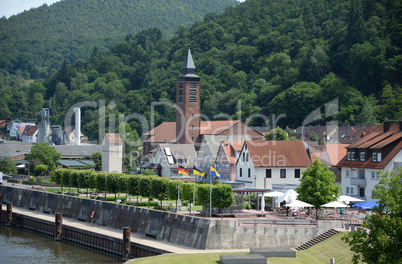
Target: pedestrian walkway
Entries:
(115, 233)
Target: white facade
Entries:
(265, 177)
(112, 153)
(360, 182)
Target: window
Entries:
(374, 156)
(351, 190)
(378, 175)
(283, 173)
(193, 92)
(241, 172)
(347, 189)
(372, 175)
(244, 157)
(268, 173)
(349, 155)
(297, 173)
(378, 156)
(353, 155)
(347, 173)
(249, 173)
(361, 192)
(180, 93)
(362, 156)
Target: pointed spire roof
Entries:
(188, 67)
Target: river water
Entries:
(18, 245)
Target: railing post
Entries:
(126, 243)
(9, 214)
(58, 225)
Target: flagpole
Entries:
(178, 193)
(194, 195)
(210, 196)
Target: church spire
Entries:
(188, 67)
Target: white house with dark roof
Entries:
(264, 164)
(30, 134)
(378, 150)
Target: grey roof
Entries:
(188, 66)
(181, 151)
(66, 151)
(214, 141)
(76, 163)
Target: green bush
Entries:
(247, 206)
(32, 179)
(162, 208)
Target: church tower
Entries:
(188, 103)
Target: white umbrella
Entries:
(273, 194)
(262, 204)
(334, 204)
(288, 196)
(297, 203)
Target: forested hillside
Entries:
(276, 56)
(39, 40)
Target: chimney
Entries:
(387, 125)
(77, 126)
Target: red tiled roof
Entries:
(113, 138)
(228, 148)
(3, 123)
(387, 141)
(216, 127)
(278, 153)
(166, 132)
(336, 152)
(369, 163)
(30, 130)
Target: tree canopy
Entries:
(317, 185)
(383, 243)
(7, 165)
(44, 154)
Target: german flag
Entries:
(183, 171)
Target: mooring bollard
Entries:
(9, 217)
(126, 243)
(58, 224)
(332, 261)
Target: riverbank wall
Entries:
(194, 232)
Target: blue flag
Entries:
(214, 172)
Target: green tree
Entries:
(97, 159)
(317, 185)
(313, 136)
(145, 188)
(276, 134)
(123, 184)
(74, 180)
(222, 197)
(44, 153)
(173, 191)
(101, 182)
(83, 180)
(7, 165)
(40, 169)
(383, 243)
(159, 188)
(112, 183)
(202, 194)
(187, 192)
(55, 176)
(65, 179)
(134, 186)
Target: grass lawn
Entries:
(333, 247)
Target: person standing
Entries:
(341, 211)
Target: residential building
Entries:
(226, 159)
(378, 150)
(17, 128)
(70, 135)
(330, 154)
(30, 134)
(263, 164)
(168, 157)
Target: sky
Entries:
(14, 7)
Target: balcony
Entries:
(357, 181)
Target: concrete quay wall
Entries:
(195, 232)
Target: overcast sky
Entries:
(14, 7)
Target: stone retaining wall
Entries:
(196, 232)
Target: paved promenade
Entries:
(111, 232)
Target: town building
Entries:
(112, 153)
(30, 134)
(379, 149)
(271, 164)
(226, 159)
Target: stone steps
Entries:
(317, 239)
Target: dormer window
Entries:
(349, 156)
(374, 156)
(353, 155)
(362, 156)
